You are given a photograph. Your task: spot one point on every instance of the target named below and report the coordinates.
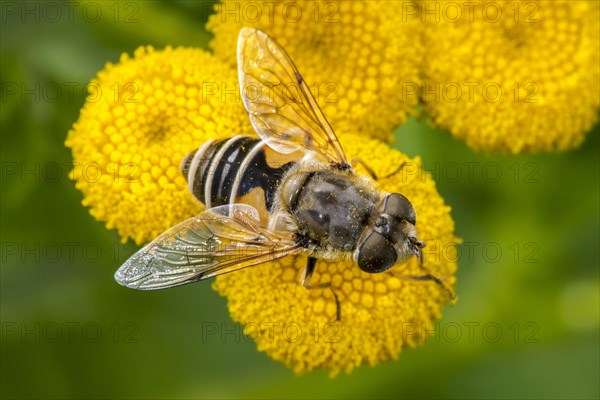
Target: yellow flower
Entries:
(356, 55)
(166, 105)
(139, 120)
(380, 313)
(514, 76)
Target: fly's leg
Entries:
(396, 171)
(356, 161)
(430, 277)
(311, 263)
(370, 171)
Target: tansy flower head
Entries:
(514, 76)
(163, 111)
(380, 313)
(140, 118)
(355, 54)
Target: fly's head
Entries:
(391, 237)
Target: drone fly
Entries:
(290, 192)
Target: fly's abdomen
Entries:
(236, 170)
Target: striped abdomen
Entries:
(236, 170)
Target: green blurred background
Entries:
(69, 331)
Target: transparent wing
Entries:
(217, 241)
(281, 107)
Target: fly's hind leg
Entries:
(308, 272)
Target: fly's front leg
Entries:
(311, 263)
(356, 161)
(371, 172)
(429, 277)
(396, 171)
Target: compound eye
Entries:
(399, 206)
(376, 254)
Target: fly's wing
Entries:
(217, 241)
(281, 107)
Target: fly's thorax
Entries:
(329, 207)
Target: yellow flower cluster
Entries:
(357, 56)
(514, 76)
(137, 141)
(145, 113)
(140, 118)
(380, 313)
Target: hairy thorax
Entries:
(329, 207)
